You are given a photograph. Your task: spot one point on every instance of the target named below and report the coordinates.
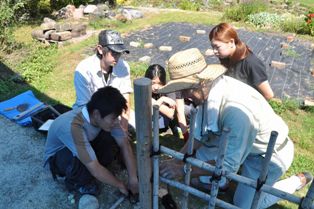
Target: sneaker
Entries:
(195, 182)
(92, 189)
(305, 178)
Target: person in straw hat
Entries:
(230, 108)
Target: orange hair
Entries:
(224, 32)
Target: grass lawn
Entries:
(56, 85)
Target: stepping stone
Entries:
(184, 38)
(148, 45)
(290, 38)
(135, 44)
(200, 31)
(278, 65)
(145, 59)
(284, 45)
(165, 48)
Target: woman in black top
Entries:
(235, 55)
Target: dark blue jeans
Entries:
(64, 164)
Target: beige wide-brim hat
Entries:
(187, 69)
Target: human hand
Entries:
(170, 102)
(186, 136)
(123, 189)
(133, 185)
(171, 169)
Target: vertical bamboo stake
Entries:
(218, 168)
(187, 176)
(263, 174)
(143, 119)
(155, 157)
(308, 201)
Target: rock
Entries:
(78, 30)
(90, 9)
(165, 48)
(69, 11)
(88, 202)
(61, 36)
(131, 13)
(47, 34)
(145, 59)
(38, 35)
(103, 7)
(78, 13)
(47, 20)
(121, 18)
(48, 26)
(98, 13)
(148, 45)
(184, 38)
(63, 27)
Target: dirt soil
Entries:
(25, 183)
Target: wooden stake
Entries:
(143, 119)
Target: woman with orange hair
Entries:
(241, 62)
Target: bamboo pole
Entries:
(218, 168)
(143, 116)
(264, 171)
(155, 157)
(308, 201)
(197, 193)
(187, 177)
(252, 183)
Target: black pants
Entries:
(64, 164)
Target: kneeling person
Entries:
(80, 144)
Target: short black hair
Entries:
(158, 71)
(107, 100)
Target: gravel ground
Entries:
(27, 184)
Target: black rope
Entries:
(154, 153)
(186, 155)
(215, 177)
(259, 184)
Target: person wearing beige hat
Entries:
(224, 103)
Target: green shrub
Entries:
(38, 64)
(242, 11)
(265, 19)
(8, 13)
(294, 25)
(190, 5)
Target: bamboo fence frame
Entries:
(142, 100)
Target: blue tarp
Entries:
(26, 97)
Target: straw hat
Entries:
(187, 69)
